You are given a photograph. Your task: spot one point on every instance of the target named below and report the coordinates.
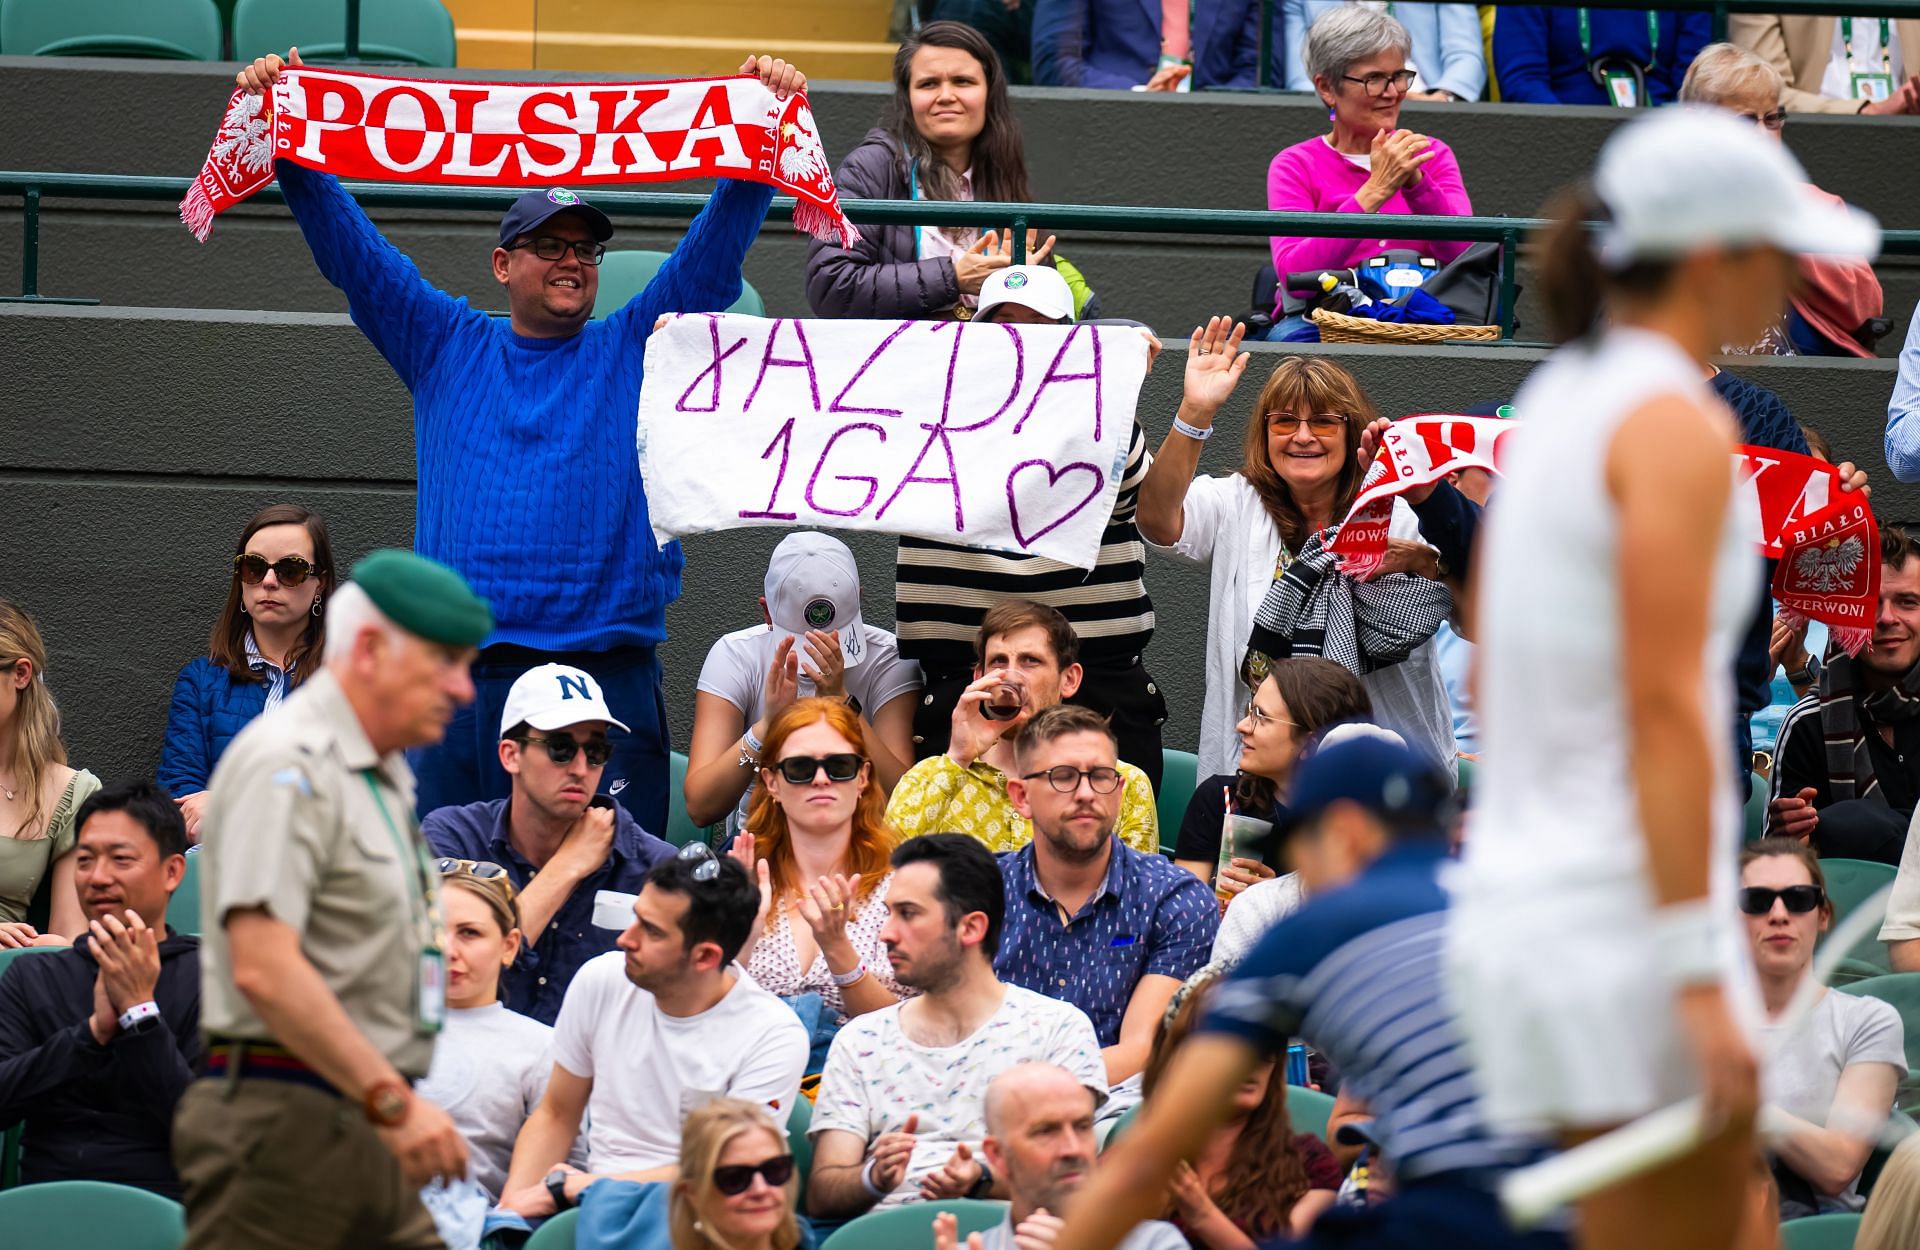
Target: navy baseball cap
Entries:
(1377, 770)
(535, 207)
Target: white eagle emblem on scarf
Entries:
(1825, 569)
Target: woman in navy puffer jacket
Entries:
(267, 641)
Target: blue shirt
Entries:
(1538, 58)
(536, 982)
(525, 446)
(1147, 918)
(1357, 973)
(1903, 411)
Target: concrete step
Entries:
(139, 439)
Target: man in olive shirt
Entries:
(323, 953)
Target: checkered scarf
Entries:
(1850, 772)
(1363, 626)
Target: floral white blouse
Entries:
(775, 962)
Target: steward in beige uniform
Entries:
(323, 956)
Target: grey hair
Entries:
(1723, 70)
(349, 612)
(1349, 33)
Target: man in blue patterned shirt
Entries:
(1089, 919)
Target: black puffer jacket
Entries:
(879, 276)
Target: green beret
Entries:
(424, 597)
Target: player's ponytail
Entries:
(1574, 285)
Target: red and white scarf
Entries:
(1826, 541)
(371, 126)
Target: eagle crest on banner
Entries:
(1831, 566)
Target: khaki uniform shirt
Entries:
(291, 826)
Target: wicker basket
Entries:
(1340, 328)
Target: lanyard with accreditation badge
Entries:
(1623, 85)
(1869, 84)
(430, 977)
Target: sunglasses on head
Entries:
(737, 1178)
(706, 867)
(479, 869)
(1757, 900)
(562, 750)
(291, 570)
(800, 769)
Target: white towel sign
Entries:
(1008, 437)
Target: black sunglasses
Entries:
(1757, 900)
(291, 570)
(546, 247)
(562, 750)
(707, 869)
(479, 869)
(800, 769)
(737, 1178)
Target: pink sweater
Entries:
(1312, 177)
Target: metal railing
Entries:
(1720, 9)
(33, 188)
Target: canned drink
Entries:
(1297, 1064)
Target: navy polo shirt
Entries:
(1147, 917)
(536, 982)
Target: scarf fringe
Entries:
(825, 224)
(1851, 639)
(196, 211)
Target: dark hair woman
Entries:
(948, 134)
(266, 642)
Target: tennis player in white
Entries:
(1594, 949)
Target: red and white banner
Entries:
(385, 129)
(1826, 541)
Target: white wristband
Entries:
(136, 1013)
(1181, 426)
(1685, 942)
(753, 744)
(844, 979)
(866, 1178)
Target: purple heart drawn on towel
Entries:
(1053, 480)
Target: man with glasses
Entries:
(1089, 919)
(1026, 660)
(561, 841)
(653, 1031)
(524, 433)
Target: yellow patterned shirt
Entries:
(939, 796)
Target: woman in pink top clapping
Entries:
(1357, 56)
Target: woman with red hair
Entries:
(818, 839)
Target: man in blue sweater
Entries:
(1595, 56)
(524, 437)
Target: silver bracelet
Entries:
(1194, 432)
(844, 979)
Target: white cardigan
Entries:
(1225, 524)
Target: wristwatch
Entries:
(557, 1189)
(385, 1103)
(140, 1018)
(984, 1186)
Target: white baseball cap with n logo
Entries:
(554, 696)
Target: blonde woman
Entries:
(737, 1188)
(39, 794)
(1892, 1219)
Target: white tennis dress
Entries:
(1550, 944)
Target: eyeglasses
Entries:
(1321, 424)
(546, 247)
(291, 570)
(1376, 84)
(800, 769)
(1259, 717)
(1757, 900)
(1774, 121)
(737, 1178)
(562, 750)
(479, 869)
(1066, 778)
(706, 869)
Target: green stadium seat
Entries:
(90, 1215)
(183, 909)
(1309, 1109)
(1756, 809)
(8, 956)
(1851, 882)
(680, 827)
(1900, 990)
(1820, 1232)
(911, 1227)
(625, 274)
(1179, 777)
(800, 1144)
(165, 30)
(395, 32)
(556, 1233)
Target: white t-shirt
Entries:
(650, 1069)
(1868, 56)
(490, 1067)
(736, 670)
(1802, 1077)
(876, 1076)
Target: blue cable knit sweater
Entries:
(529, 483)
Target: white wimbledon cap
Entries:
(1683, 178)
(1039, 287)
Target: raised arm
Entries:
(1214, 366)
